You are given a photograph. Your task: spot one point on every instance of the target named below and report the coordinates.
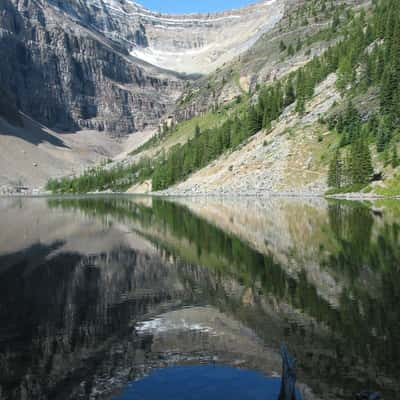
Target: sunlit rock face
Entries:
(199, 43)
(112, 65)
(65, 73)
(192, 43)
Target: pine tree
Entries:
(367, 169)
(299, 45)
(384, 134)
(395, 158)
(356, 172)
(335, 174)
(290, 95)
(255, 120)
(369, 70)
(361, 163)
(345, 72)
(300, 92)
(290, 50)
(335, 22)
(348, 167)
(300, 105)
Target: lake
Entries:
(121, 297)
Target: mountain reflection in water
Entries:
(97, 292)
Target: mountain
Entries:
(68, 75)
(311, 108)
(253, 100)
(102, 65)
(113, 65)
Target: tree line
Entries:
(116, 179)
(370, 64)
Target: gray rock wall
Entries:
(107, 64)
(68, 76)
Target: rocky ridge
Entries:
(287, 159)
(193, 43)
(114, 65)
(68, 76)
(261, 63)
(102, 65)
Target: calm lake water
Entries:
(148, 299)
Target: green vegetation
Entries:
(207, 145)
(355, 168)
(367, 56)
(374, 49)
(392, 187)
(335, 174)
(117, 179)
(297, 88)
(315, 11)
(120, 178)
(168, 136)
(355, 188)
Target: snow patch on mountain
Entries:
(191, 43)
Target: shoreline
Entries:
(341, 196)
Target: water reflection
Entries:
(203, 382)
(97, 292)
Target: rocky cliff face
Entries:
(107, 64)
(66, 75)
(264, 61)
(60, 71)
(201, 43)
(194, 43)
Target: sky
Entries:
(192, 6)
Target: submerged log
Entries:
(288, 385)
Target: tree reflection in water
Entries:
(320, 277)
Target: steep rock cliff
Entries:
(67, 75)
(111, 64)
